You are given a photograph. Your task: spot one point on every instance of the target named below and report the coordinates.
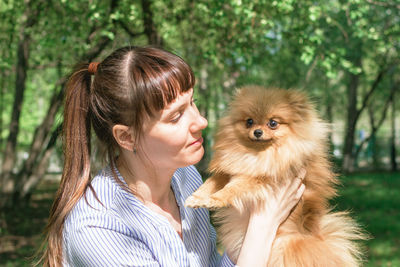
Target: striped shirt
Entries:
(121, 231)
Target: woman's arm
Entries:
(264, 223)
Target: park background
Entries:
(344, 54)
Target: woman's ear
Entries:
(124, 136)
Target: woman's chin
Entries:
(195, 157)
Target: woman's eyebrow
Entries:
(175, 110)
(172, 112)
(179, 107)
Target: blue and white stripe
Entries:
(121, 231)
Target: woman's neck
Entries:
(153, 187)
(151, 184)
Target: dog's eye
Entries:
(272, 124)
(249, 122)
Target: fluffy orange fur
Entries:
(266, 138)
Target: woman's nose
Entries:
(203, 122)
(199, 123)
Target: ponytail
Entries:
(76, 172)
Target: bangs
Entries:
(170, 83)
(159, 77)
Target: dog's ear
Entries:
(302, 107)
(248, 90)
(296, 97)
(237, 92)
(299, 101)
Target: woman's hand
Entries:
(281, 201)
(265, 220)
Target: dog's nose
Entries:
(258, 133)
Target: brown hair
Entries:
(131, 83)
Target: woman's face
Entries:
(173, 139)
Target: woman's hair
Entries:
(130, 84)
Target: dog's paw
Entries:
(216, 203)
(195, 202)
(209, 202)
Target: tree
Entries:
(393, 153)
(352, 40)
(29, 19)
(45, 136)
(340, 52)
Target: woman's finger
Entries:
(293, 186)
(300, 191)
(298, 181)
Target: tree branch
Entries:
(384, 4)
(372, 89)
(149, 26)
(128, 30)
(38, 157)
(376, 127)
(31, 16)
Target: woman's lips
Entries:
(197, 142)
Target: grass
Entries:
(374, 201)
(372, 198)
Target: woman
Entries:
(140, 105)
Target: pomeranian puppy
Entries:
(267, 137)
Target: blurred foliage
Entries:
(314, 46)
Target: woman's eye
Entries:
(193, 101)
(249, 122)
(272, 124)
(176, 118)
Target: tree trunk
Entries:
(10, 149)
(30, 18)
(34, 167)
(375, 126)
(353, 114)
(2, 90)
(329, 118)
(38, 171)
(351, 121)
(149, 26)
(372, 139)
(393, 162)
(10, 20)
(40, 139)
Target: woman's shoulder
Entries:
(99, 199)
(103, 190)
